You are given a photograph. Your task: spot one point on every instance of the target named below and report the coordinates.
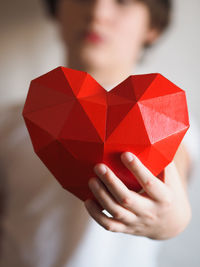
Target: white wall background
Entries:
(30, 46)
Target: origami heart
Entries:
(75, 123)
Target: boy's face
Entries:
(101, 33)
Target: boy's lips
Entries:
(93, 37)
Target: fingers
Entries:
(107, 223)
(117, 188)
(130, 200)
(108, 202)
(155, 188)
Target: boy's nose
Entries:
(101, 10)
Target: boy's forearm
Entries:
(183, 163)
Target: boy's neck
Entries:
(108, 76)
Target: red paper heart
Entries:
(75, 123)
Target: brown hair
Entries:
(160, 12)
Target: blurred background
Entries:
(30, 46)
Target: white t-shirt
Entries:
(103, 248)
(44, 225)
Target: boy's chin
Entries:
(93, 61)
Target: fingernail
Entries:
(129, 156)
(100, 169)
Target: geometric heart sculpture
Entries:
(74, 123)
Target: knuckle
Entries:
(100, 193)
(149, 182)
(150, 216)
(126, 201)
(118, 215)
(134, 165)
(108, 227)
(109, 178)
(113, 230)
(109, 181)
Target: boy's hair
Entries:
(160, 12)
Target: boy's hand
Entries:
(161, 212)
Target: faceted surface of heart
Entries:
(74, 123)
